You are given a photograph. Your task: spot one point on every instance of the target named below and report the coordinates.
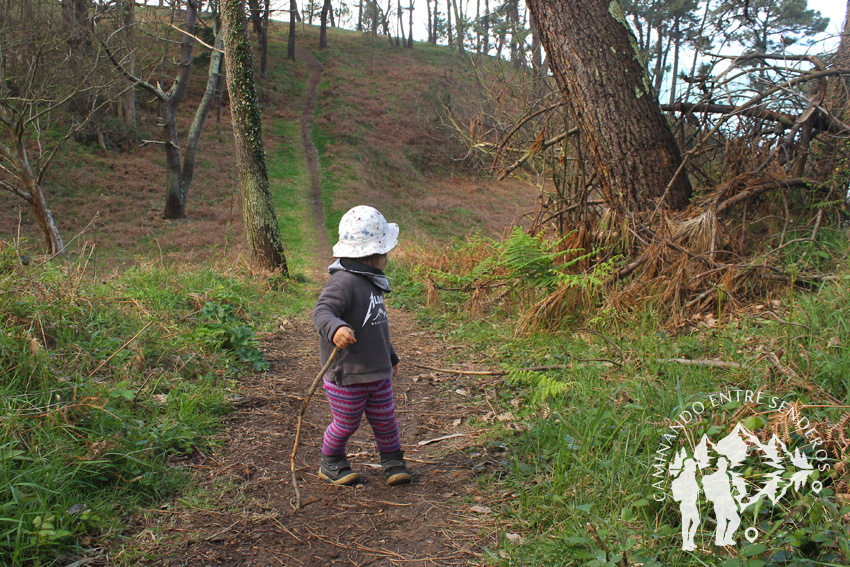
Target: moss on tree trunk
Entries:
(261, 224)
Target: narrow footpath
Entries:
(244, 516)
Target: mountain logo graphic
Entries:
(711, 471)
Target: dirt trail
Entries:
(311, 156)
(249, 520)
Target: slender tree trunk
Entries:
(293, 13)
(677, 39)
(400, 17)
(461, 32)
(513, 17)
(660, 61)
(430, 23)
(175, 199)
(44, 218)
(264, 40)
(478, 23)
(536, 51)
(385, 20)
(261, 225)
(374, 21)
(410, 26)
(256, 12)
(486, 26)
(449, 21)
(434, 26)
(360, 16)
(323, 32)
(194, 135)
(129, 36)
(609, 96)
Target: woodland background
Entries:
(618, 208)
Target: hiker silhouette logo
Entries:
(716, 482)
(726, 488)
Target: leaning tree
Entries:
(628, 142)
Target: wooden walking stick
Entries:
(303, 409)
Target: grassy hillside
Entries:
(377, 130)
(119, 360)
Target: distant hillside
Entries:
(378, 134)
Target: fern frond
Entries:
(542, 385)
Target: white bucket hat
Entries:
(364, 231)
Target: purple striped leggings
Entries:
(347, 406)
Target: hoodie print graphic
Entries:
(376, 310)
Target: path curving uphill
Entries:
(311, 153)
(242, 515)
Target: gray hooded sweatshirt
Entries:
(354, 297)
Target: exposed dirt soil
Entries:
(439, 519)
(433, 521)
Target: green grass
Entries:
(289, 182)
(104, 383)
(581, 443)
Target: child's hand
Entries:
(343, 337)
(395, 369)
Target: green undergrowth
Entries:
(107, 385)
(571, 449)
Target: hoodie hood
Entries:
(374, 275)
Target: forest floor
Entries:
(244, 514)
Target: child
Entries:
(350, 314)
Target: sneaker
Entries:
(394, 468)
(336, 470)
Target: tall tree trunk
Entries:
(461, 32)
(428, 7)
(536, 52)
(175, 199)
(513, 17)
(677, 41)
(385, 20)
(410, 26)
(256, 13)
(478, 23)
(609, 95)
(293, 13)
(360, 16)
(660, 60)
(76, 16)
(838, 95)
(264, 40)
(486, 26)
(449, 21)
(374, 21)
(323, 32)
(261, 224)
(400, 16)
(129, 7)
